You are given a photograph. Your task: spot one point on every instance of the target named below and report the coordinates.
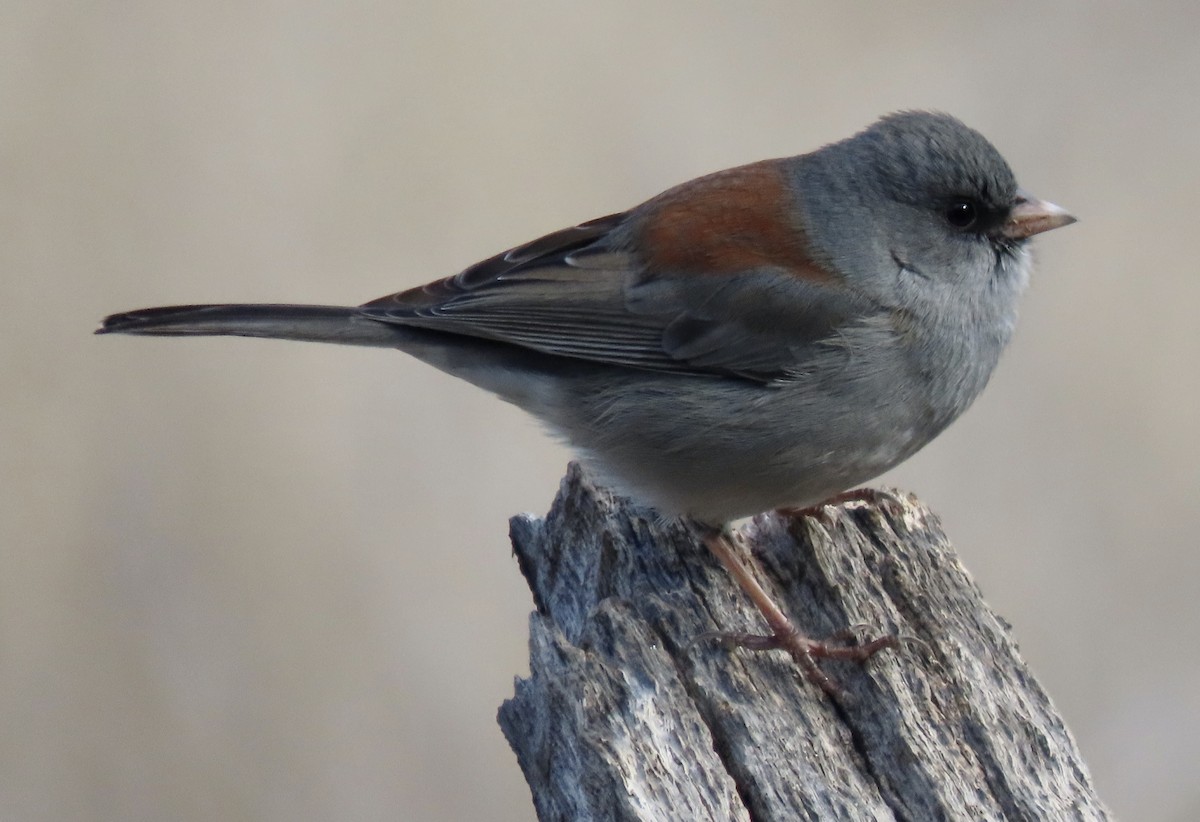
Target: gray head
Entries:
(919, 209)
(932, 160)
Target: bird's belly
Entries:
(730, 451)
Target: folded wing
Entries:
(708, 279)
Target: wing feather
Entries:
(604, 292)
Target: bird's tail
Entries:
(315, 323)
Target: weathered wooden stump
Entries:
(626, 717)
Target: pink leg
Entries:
(784, 635)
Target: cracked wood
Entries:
(625, 717)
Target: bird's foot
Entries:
(784, 635)
(880, 498)
(806, 651)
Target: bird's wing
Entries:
(702, 280)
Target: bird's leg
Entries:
(784, 635)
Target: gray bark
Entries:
(627, 716)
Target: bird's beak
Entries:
(1033, 216)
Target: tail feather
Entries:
(314, 323)
(518, 375)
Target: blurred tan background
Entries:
(249, 580)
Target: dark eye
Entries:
(962, 213)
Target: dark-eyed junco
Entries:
(762, 337)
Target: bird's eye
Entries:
(962, 213)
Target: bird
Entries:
(759, 338)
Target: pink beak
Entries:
(1033, 216)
